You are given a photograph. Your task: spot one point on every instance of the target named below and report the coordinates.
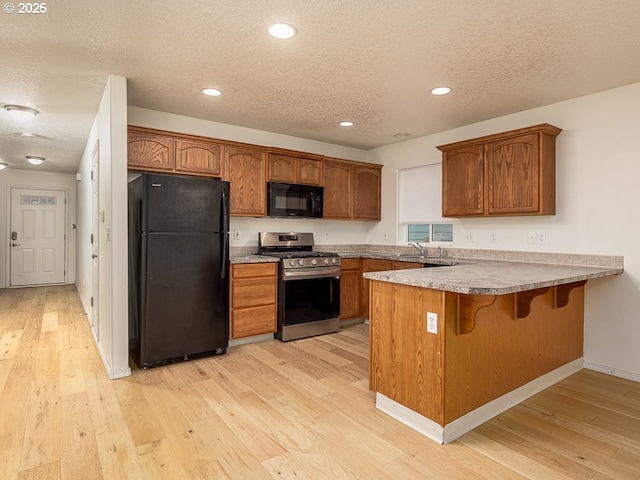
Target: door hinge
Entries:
(91, 174)
(92, 239)
(91, 301)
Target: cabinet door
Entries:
(147, 151)
(245, 169)
(366, 200)
(198, 157)
(253, 299)
(462, 181)
(513, 175)
(338, 191)
(350, 283)
(282, 168)
(371, 265)
(309, 171)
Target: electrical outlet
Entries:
(531, 238)
(326, 234)
(236, 235)
(386, 235)
(468, 237)
(542, 238)
(432, 322)
(493, 237)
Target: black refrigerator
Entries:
(178, 268)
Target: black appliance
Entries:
(178, 268)
(308, 285)
(293, 200)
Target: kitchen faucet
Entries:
(418, 247)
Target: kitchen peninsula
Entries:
(452, 347)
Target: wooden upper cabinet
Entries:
(511, 173)
(292, 168)
(198, 157)
(281, 168)
(150, 151)
(338, 189)
(155, 150)
(463, 181)
(245, 169)
(367, 186)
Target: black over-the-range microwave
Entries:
(293, 200)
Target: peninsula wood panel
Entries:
(371, 265)
(407, 362)
(501, 354)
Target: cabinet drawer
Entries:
(350, 264)
(374, 265)
(252, 292)
(252, 270)
(253, 321)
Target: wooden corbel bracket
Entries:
(522, 301)
(467, 308)
(561, 293)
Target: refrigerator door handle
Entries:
(225, 235)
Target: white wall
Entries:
(598, 184)
(34, 179)
(110, 130)
(325, 232)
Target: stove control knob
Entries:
(334, 260)
(326, 261)
(314, 262)
(292, 263)
(301, 262)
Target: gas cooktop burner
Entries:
(299, 254)
(295, 250)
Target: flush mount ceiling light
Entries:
(212, 92)
(441, 90)
(23, 113)
(282, 31)
(401, 135)
(28, 135)
(35, 160)
(3, 165)
(346, 123)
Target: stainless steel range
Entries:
(308, 285)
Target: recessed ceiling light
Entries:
(3, 165)
(401, 135)
(35, 160)
(346, 123)
(441, 90)
(212, 92)
(20, 112)
(282, 30)
(27, 135)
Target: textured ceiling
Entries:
(369, 61)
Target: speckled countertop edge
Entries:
(485, 277)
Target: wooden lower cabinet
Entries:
(253, 299)
(350, 280)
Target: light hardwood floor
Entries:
(297, 410)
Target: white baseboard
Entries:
(616, 372)
(256, 338)
(486, 412)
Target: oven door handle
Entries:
(311, 273)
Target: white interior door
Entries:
(37, 236)
(95, 251)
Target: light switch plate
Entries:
(432, 322)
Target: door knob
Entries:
(15, 244)
(93, 255)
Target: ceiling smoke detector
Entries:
(35, 160)
(21, 112)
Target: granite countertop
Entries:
(486, 277)
(252, 259)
